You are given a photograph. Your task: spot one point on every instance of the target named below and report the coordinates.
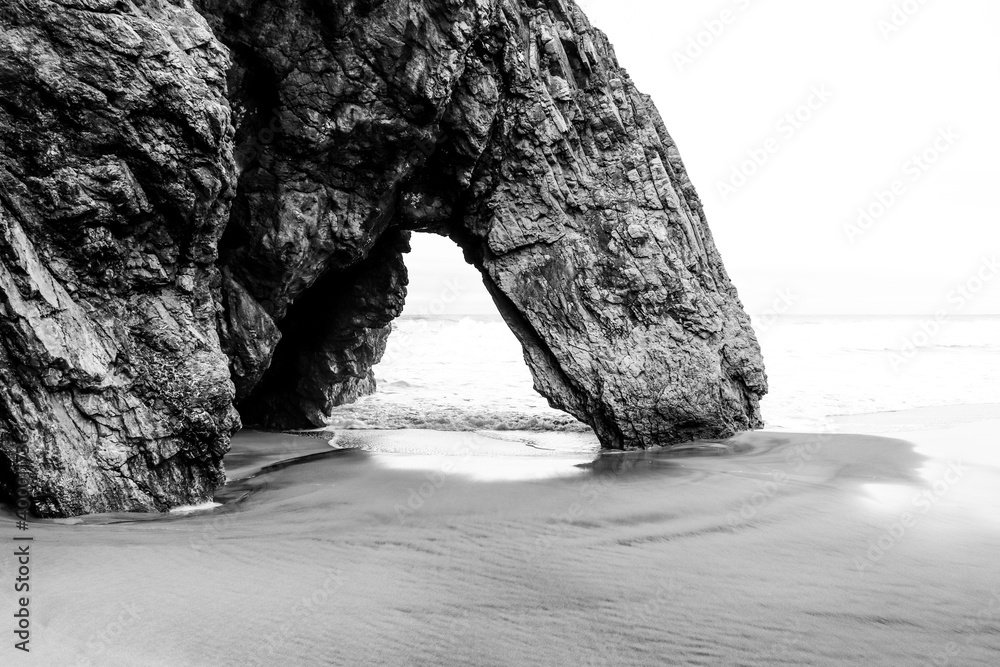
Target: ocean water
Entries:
(467, 373)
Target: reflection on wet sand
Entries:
(767, 549)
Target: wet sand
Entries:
(514, 549)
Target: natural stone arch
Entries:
(182, 183)
(537, 155)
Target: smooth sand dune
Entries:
(761, 551)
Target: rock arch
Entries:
(510, 128)
(245, 166)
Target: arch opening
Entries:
(451, 362)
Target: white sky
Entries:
(783, 230)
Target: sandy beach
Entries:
(428, 548)
(499, 333)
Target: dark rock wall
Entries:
(116, 173)
(207, 205)
(336, 105)
(332, 337)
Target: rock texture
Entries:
(206, 205)
(116, 174)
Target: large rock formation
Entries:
(205, 205)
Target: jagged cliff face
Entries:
(206, 206)
(116, 174)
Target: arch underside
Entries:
(526, 144)
(204, 208)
